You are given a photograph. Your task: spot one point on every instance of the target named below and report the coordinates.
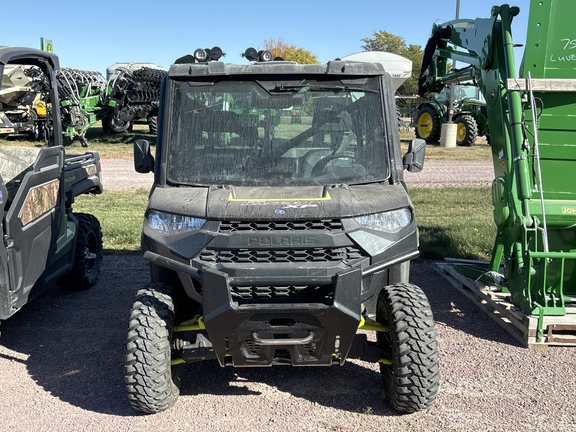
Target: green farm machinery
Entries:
(87, 97)
(533, 141)
(130, 93)
(469, 114)
(83, 101)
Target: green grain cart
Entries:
(533, 140)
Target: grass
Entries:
(454, 222)
(120, 214)
(480, 151)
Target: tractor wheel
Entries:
(88, 255)
(411, 379)
(152, 382)
(153, 124)
(116, 125)
(466, 130)
(428, 125)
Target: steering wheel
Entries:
(319, 167)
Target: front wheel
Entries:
(88, 254)
(466, 130)
(152, 382)
(428, 124)
(411, 378)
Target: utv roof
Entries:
(336, 67)
(24, 55)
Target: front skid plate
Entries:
(267, 334)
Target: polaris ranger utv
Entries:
(43, 240)
(273, 242)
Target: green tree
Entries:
(383, 41)
(289, 52)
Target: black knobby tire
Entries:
(152, 383)
(466, 131)
(428, 124)
(153, 124)
(116, 125)
(88, 254)
(411, 381)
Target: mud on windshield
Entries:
(276, 132)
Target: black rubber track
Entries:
(411, 382)
(88, 255)
(152, 384)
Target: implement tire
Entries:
(153, 124)
(428, 124)
(88, 255)
(116, 125)
(411, 381)
(152, 382)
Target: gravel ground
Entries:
(61, 366)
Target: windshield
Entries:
(270, 132)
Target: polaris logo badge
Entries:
(282, 241)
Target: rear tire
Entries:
(466, 130)
(153, 124)
(152, 382)
(428, 125)
(88, 255)
(411, 381)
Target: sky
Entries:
(95, 35)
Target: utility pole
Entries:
(451, 100)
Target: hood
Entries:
(289, 203)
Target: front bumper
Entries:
(300, 320)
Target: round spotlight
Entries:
(265, 56)
(201, 55)
(250, 54)
(216, 53)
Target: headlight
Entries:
(392, 221)
(169, 224)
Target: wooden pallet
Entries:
(556, 330)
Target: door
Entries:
(35, 220)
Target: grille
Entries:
(282, 294)
(253, 256)
(322, 224)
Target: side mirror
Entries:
(413, 160)
(143, 159)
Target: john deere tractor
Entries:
(469, 114)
